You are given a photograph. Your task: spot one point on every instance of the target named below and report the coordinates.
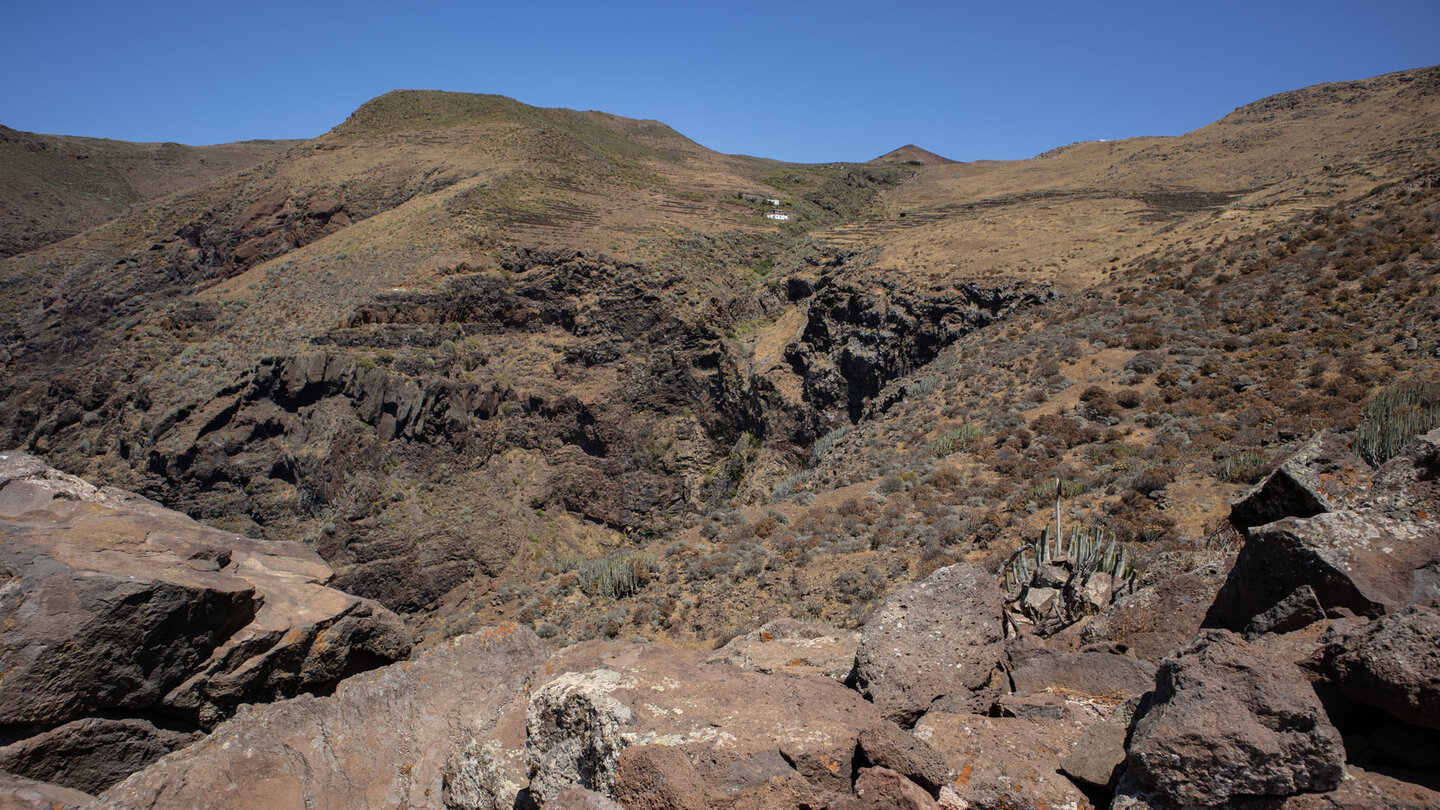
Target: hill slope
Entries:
(54, 186)
(479, 353)
(914, 155)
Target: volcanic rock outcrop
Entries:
(1377, 553)
(935, 639)
(384, 739)
(126, 629)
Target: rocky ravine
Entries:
(1321, 690)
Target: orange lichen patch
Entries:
(830, 765)
(765, 636)
(797, 662)
(963, 779)
(498, 633)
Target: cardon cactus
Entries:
(1394, 416)
(1055, 580)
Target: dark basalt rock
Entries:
(94, 753)
(936, 638)
(1229, 720)
(1392, 664)
(1377, 557)
(1322, 476)
(887, 745)
(19, 793)
(385, 738)
(1035, 668)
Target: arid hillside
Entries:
(497, 362)
(1069, 214)
(55, 186)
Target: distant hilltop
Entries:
(910, 153)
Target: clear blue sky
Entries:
(789, 79)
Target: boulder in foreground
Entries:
(938, 638)
(384, 739)
(1227, 720)
(120, 610)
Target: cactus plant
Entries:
(1244, 467)
(618, 575)
(1084, 552)
(955, 439)
(1393, 416)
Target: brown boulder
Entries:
(1299, 610)
(1322, 476)
(886, 745)
(785, 791)
(1391, 663)
(1005, 762)
(384, 739)
(1157, 619)
(1376, 555)
(793, 647)
(19, 793)
(1099, 755)
(1410, 482)
(884, 789)
(935, 638)
(1369, 789)
(1036, 668)
(1360, 790)
(1365, 562)
(741, 730)
(578, 798)
(657, 777)
(119, 608)
(1229, 719)
(93, 753)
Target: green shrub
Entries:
(822, 445)
(956, 439)
(1394, 416)
(1044, 492)
(1245, 467)
(923, 386)
(618, 575)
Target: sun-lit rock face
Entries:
(127, 622)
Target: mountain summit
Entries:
(910, 153)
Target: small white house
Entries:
(753, 197)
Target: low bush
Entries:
(618, 575)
